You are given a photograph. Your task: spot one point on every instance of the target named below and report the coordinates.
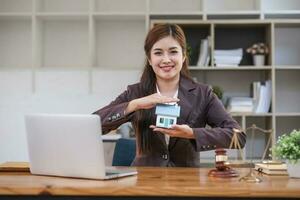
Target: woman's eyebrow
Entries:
(157, 49)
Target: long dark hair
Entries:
(148, 81)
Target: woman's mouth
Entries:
(166, 68)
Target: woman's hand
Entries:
(182, 131)
(148, 102)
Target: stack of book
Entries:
(204, 53)
(228, 58)
(272, 168)
(262, 94)
(240, 104)
(260, 102)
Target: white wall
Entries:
(52, 91)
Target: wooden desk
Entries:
(172, 183)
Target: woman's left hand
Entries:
(182, 131)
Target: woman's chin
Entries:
(168, 76)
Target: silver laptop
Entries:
(68, 145)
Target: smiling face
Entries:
(166, 58)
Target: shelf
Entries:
(287, 67)
(215, 15)
(251, 114)
(63, 43)
(289, 114)
(119, 16)
(62, 16)
(281, 12)
(120, 6)
(282, 16)
(288, 23)
(242, 23)
(230, 5)
(180, 14)
(176, 16)
(62, 6)
(237, 12)
(177, 6)
(168, 16)
(16, 43)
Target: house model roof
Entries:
(167, 110)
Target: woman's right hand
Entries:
(148, 102)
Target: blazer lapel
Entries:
(187, 99)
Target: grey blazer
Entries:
(199, 106)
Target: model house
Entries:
(166, 115)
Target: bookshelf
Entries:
(229, 34)
(282, 70)
(79, 43)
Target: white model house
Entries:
(166, 115)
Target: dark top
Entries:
(199, 107)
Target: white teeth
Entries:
(166, 66)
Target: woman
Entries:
(166, 79)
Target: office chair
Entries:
(124, 152)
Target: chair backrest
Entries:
(124, 152)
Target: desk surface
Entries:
(174, 182)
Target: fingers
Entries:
(173, 127)
(168, 100)
(163, 130)
(163, 99)
(184, 128)
(176, 127)
(152, 126)
(183, 131)
(151, 100)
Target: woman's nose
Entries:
(166, 59)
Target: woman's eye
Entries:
(157, 53)
(174, 52)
